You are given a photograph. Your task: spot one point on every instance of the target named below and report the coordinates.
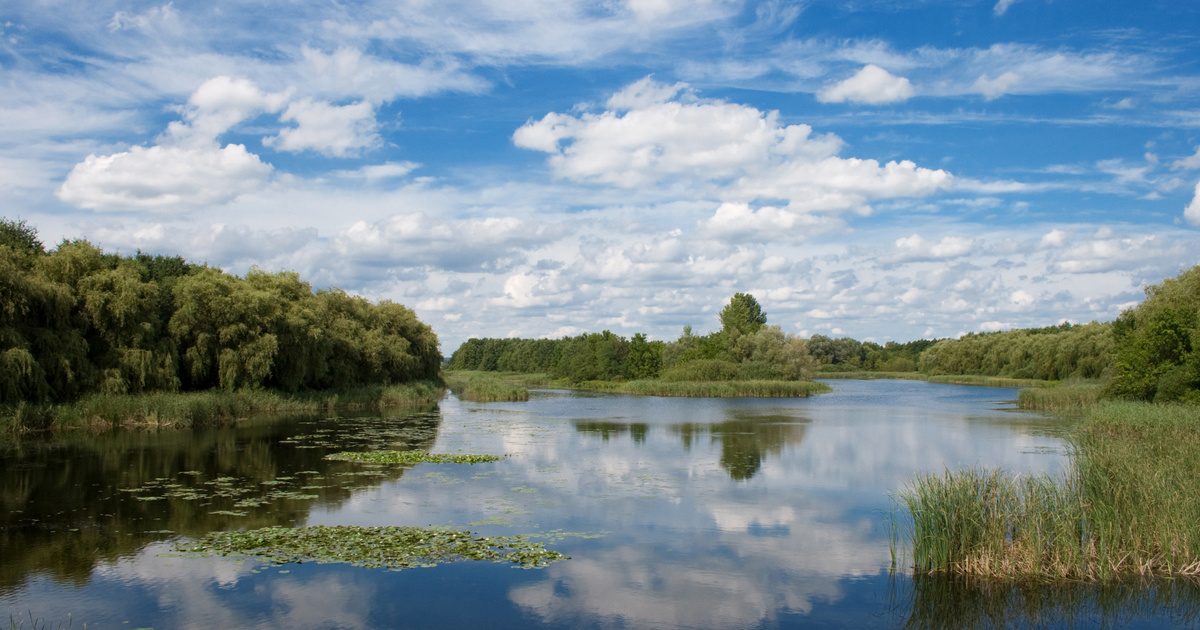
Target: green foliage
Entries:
(76, 320)
(377, 547)
(745, 348)
(1158, 343)
(1052, 354)
(742, 316)
(487, 386)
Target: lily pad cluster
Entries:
(409, 458)
(372, 547)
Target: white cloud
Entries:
(992, 88)
(1021, 298)
(1053, 238)
(872, 85)
(1192, 212)
(741, 149)
(216, 106)
(994, 326)
(916, 248)
(348, 72)
(379, 172)
(162, 178)
(1189, 163)
(333, 130)
(1002, 6)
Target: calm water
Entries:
(676, 512)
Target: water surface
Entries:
(705, 513)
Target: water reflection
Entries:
(677, 513)
(66, 505)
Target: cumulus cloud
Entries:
(333, 130)
(159, 178)
(916, 248)
(216, 106)
(1053, 238)
(665, 134)
(872, 85)
(1192, 212)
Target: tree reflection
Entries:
(67, 504)
(745, 440)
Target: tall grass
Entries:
(1066, 398)
(1129, 506)
(488, 386)
(188, 409)
(709, 389)
(872, 375)
(989, 381)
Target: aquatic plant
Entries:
(1128, 507)
(410, 458)
(487, 386)
(373, 547)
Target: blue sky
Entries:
(877, 169)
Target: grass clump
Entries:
(488, 386)
(709, 389)
(1128, 507)
(410, 458)
(372, 547)
(1074, 398)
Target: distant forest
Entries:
(76, 320)
(1151, 352)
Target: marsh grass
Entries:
(489, 386)
(709, 389)
(411, 457)
(989, 381)
(951, 379)
(1129, 507)
(189, 409)
(373, 547)
(1067, 398)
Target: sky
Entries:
(878, 169)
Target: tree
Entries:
(742, 316)
(1158, 343)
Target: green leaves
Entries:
(410, 458)
(374, 547)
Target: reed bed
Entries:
(709, 389)
(157, 410)
(489, 386)
(989, 381)
(1071, 399)
(1129, 507)
(872, 375)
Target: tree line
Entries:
(745, 348)
(1151, 352)
(76, 320)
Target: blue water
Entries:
(677, 513)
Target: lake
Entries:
(696, 513)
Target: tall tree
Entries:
(742, 316)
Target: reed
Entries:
(156, 410)
(489, 386)
(989, 381)
(1127, 508)
(1066, 398)
(872, 375)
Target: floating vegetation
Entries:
(409, 458)
(372, 547)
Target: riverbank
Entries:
(950, 379)
(1126, 508)
(514, 387)
(158, 410)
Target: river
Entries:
(695, 513)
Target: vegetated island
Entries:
(745, 358)
(94, 339)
